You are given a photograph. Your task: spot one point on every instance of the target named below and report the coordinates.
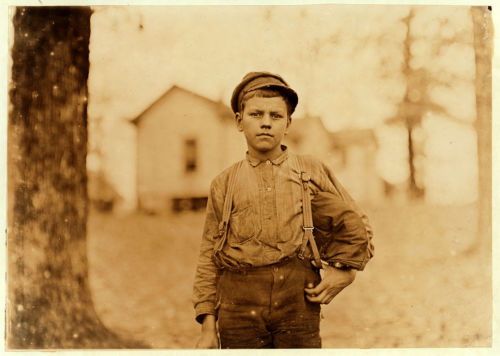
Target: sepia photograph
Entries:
(299, 176)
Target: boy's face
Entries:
(264, 121)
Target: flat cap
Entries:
(258, 80)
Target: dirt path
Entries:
(420, 290)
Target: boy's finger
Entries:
(316, 290)
(311, 291)
(317, 298)
(314, 299)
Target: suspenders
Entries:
(308, 221)
(226, 210)
(306, 212)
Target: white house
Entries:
(183, 141)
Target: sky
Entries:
(343, 60)
(209, 49)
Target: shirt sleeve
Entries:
(339, 232)
(205, 281)
(328, 182)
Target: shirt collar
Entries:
(254, 162)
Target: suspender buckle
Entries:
(306, 228)
(305, 180)
(222, 228)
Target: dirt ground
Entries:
(422, 289)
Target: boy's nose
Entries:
(266, 120)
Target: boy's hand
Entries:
(208, 338)
(334, 280)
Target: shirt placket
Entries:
(269, 203)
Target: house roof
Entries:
(341, 138)
(300, 125)
(224, 112)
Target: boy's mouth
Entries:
(264, 135)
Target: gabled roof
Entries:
(225, 113)
(299, 126)
(342, 138)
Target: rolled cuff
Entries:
(354, 264)
(204, 308)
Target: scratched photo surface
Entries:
(120, 118)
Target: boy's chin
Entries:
(263, 148)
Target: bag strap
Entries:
(226, 210)
(308, 226)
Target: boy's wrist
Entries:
(208, 323)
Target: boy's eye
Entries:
(254, 114)
(276, 116)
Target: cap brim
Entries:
(290, 94)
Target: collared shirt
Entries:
(266, 217)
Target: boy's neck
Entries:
(263, 156)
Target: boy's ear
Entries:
(238, 118)
(288, 123)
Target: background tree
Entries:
(472, 44)
(437, 65)
(415, 104)
(49, 301)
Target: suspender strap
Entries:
(226, 210)
(308, 221)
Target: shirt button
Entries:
(269, 189)
(275, 269)
(268, 162)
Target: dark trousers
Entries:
(265, 307)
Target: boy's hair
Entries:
(265, 93)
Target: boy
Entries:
(255, 284)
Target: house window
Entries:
(190, 155)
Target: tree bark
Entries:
(49, 301)
(483, 44)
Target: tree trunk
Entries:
(414, 191)
(411, 119)
(483, 43)
(49, 301)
